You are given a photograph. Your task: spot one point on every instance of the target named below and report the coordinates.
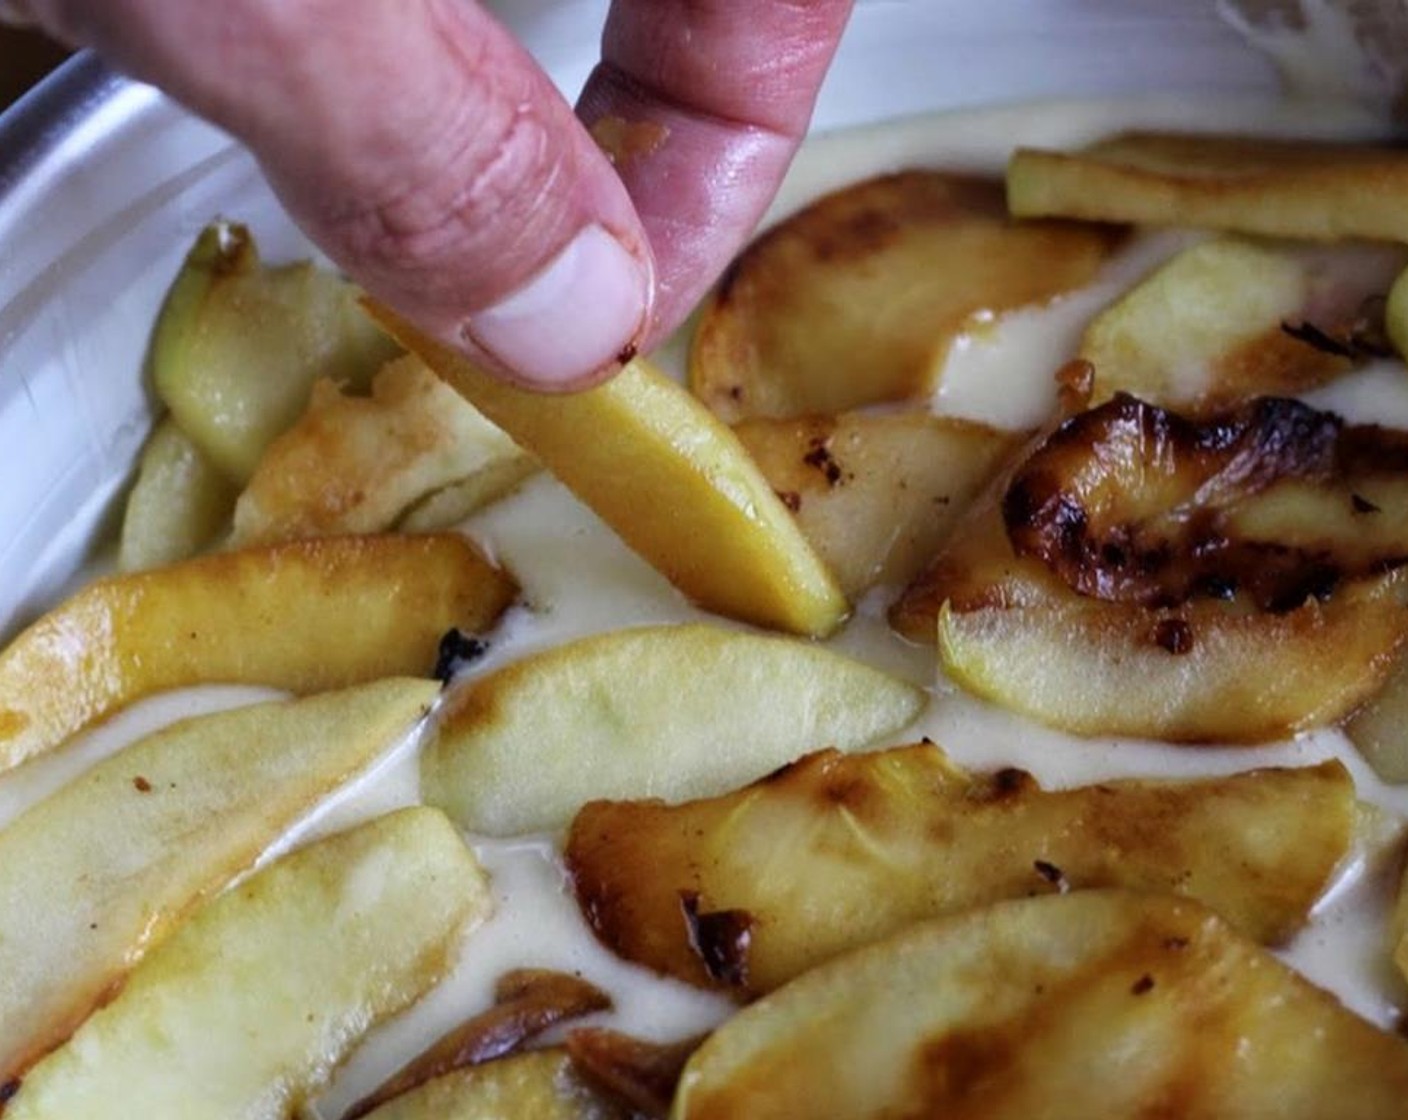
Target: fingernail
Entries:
(575, 317)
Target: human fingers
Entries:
(424, 151)
(702, 104)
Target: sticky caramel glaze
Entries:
(1274, 500)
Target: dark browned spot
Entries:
(821, 459)
(457, 649)
(1052, 874)
(720, 939)
(1142, 986)
(791, 499)
(8, 1089)
(627, 353)
(1362, 504)
(141, 784)
(1173, 635)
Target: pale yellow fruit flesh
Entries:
(1379, 728)
(1117, 669)
(673, 712)
(94, 876)
(305, 617)
(1301, 189)
(179, 504)
(669, 478)
(856, 299)
(356, 464)
(1396, 313)
(247, 1009)
(876, 495)
(839, 851)
(451, 504)
(238, 345)
(1096, 1003)
(540, 1085)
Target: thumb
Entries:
(424, 151)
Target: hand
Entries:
(419, 145)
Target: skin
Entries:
(452, 194)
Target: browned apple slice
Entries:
(247, 1009)
(875, 495)
(748, 890)
(1278, 188)
(356, 464)
(94, 876)
(856, 299)
(669, 478)
(1096, 1003)
(305, 616)
(1231, 319)
(1398, 932)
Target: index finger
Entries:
(702, 104)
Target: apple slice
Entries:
(837, 851)
(94, 876)
(1277, 188)
(1399, 928)
(238, 346)
(669, 478)
(1097, 1003)
(856, 299)
(304, 616)
(540, 1085)
(1203, 673)
(1225, 320)
(664, 711)
(452, 504)
(876, 495)
(246, 1010)
(179, 504)
(356, 464)
(1379, 728)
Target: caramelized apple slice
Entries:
(875, 495)
(1204, 672)
(450, 505)
(305, 616)
(837, 851)
(179, 504)
(247, 1009)
(667, 711)
(856, 299)
(670, 479)
(1097, 1003)
(356, 464)
(540, 1085)
(1272, 500)
(1277, 188)
(95, 875)
(238, 346)
(1230, 319)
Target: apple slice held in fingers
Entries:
(668, 477)
(95, 875)
(304, 616)
(248, 1008)
(875, 495)
(746, 891)
(670, 711)
(1096, 1003)
(1231, 319)
(856, 299)
(357, 464)
(1301, 189)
